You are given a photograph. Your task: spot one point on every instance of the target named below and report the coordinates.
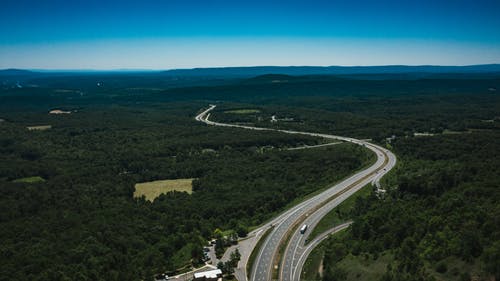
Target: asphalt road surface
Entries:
(286, 225)
(301, 260)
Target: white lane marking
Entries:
(331, 190)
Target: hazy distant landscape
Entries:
(80, 171)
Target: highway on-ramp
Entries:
(270, 262)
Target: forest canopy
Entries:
(67, 209)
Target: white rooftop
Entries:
(208, 274)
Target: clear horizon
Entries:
(161, 35)
(236, 66)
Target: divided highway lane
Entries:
(311, 211)
(295, 253)
(316, 241)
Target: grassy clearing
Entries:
(39, 128)
(314, 261)
(242, 111)
(361, 268)
(182, 258)
(34, 179)
(153, 189)
(339, 214)
(454, 268)
(365, 268)
(358, 268)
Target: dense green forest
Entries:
(80, 221)
(439, 220)
(66, 205)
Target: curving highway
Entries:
(315, 242)
(287, 263)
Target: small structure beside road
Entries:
(211, 275)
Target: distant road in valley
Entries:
(270, 263)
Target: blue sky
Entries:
(53, 34)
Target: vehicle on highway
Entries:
(313, 209)
(303, 229)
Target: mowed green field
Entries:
(360, 268)
(242, 111)
(34, 179)
(153, 189)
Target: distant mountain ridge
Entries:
(331, 70)
(252, 71)
(14, 71)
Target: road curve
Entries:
(315, 242)
(308, 212)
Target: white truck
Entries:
(303, 229)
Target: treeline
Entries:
(442, 211)
(82, 222)
(375, 116)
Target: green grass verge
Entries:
(182, 258)
(34, 179)
(364, 268)
(310, 271)
(368, 162)
(312, 265)
(256, 249)
(339, 214)
(282, 247)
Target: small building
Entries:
(211, 275)
(390, 139)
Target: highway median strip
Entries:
(277, 260)
(284, 240)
